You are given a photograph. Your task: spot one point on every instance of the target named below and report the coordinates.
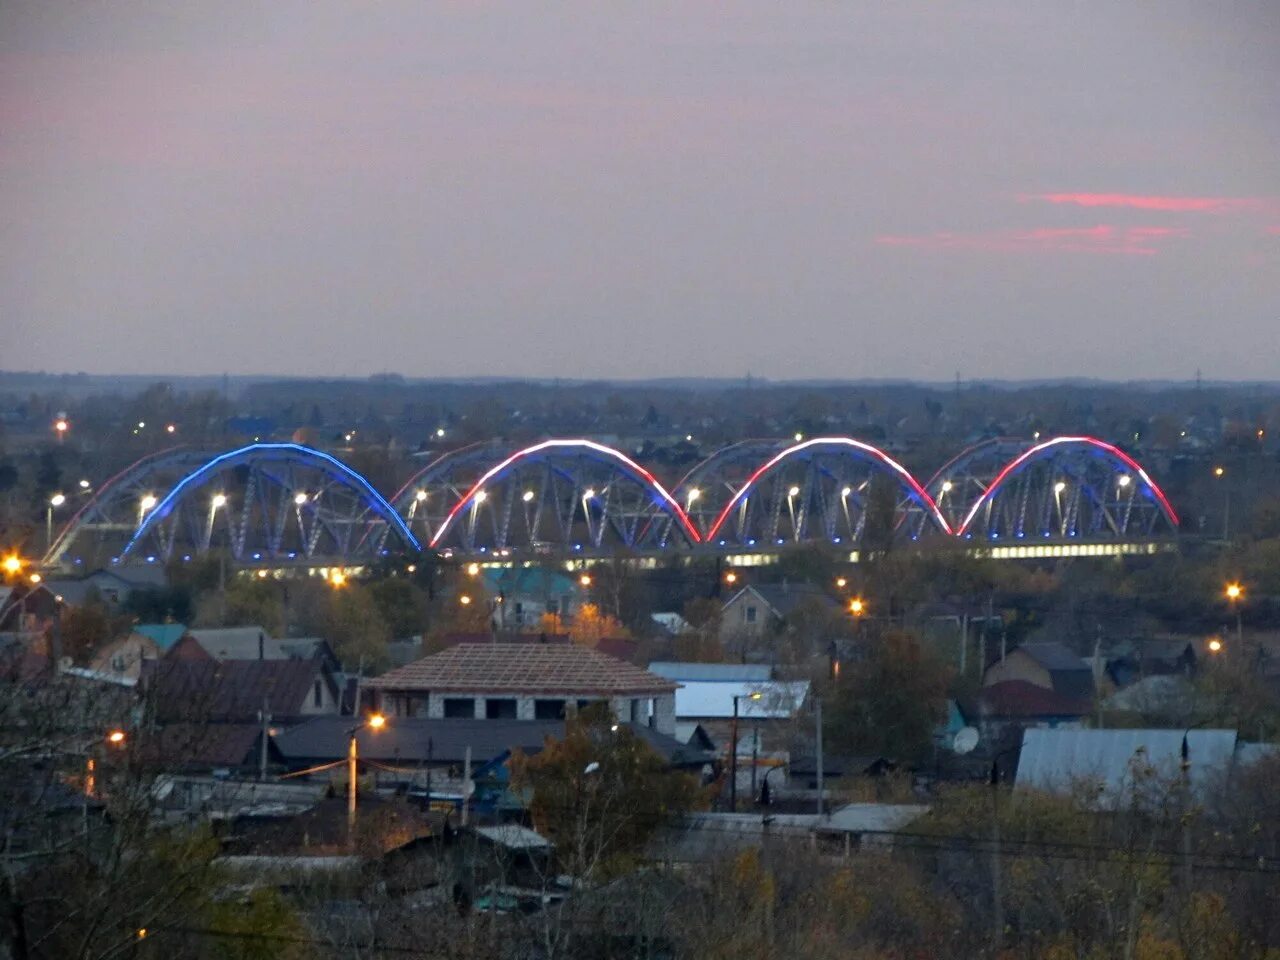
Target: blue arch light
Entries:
(375, 500)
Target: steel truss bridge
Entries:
(275, 505)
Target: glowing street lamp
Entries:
(420, 496)
(585, 580)
(299, 499)
(465, 600)
(219, 500)
(57, 500)
(375, 722)
(1125, 479)
(730, 577)
(694, 494)
(473, 569)
(527, 496)
(61, 426)
(1215, 645)
(337, 579)
(841, 582)
(12, 564)
(1234, 593)
(857, 606)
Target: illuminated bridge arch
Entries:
(269, 504)
(425, 499)
(1071, 489)
(713, 482)
(575, 497)
(823, 491)
(963, 479)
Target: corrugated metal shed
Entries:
(1063, 760)
(714, 699)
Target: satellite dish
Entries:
(964, 741)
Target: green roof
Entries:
(164, 634)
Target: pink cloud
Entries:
(1103, 238)
(1149, 202)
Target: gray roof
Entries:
(245, 643)
(741, 672)
(871, 817)
(410, 739)
(1060, 760)
(783, 598)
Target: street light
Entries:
(299, 499)
(841, 582)
(219, 500)
(527, 496)
(857, 606)
(12, 564)
(733, 746)
(473, 569)
(375, 722)
(1215, 645)
(730, 578)
(56, 500)
(420, 495)
(1235, 593)
(585, 580)
(337, 579)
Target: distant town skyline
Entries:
(802, 191)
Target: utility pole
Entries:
(265, 716)
(817, 712)
(997, 897)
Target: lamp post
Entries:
(733, 747)
(375, 722)
(57, 500)
(1234, 594)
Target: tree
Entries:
(590, 625)
(600, 792)
(890, 702)
(355, 629)
(400, 604)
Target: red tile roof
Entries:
(523, 668)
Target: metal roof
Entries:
(714, 699)
(740, 672)
(1118, 761)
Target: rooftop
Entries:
(714, 698)
(523, 668)
(740, 672)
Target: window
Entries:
(635, 711)
(458, 708)
(317, 695)
(548, 709)
(500, 709)
(750, 614)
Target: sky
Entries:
(1013, 190)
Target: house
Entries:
(236, 691)
(711, 672)
(1051, 666)
(758, 609)
(525, 594)
(524, 681)
(250, 643)
(699, 838)
(112, 587)
(1158, 657)
(1002, 710)
(1124, 766)
(123, 656)
(765, 712)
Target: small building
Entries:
(1124, 766)
(513, 681)
(1051, 666)
(250, 643)
(124, 656)
(525, 594)
(758, 609)
(1004, 709)
(683, 672)
(236, 691)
